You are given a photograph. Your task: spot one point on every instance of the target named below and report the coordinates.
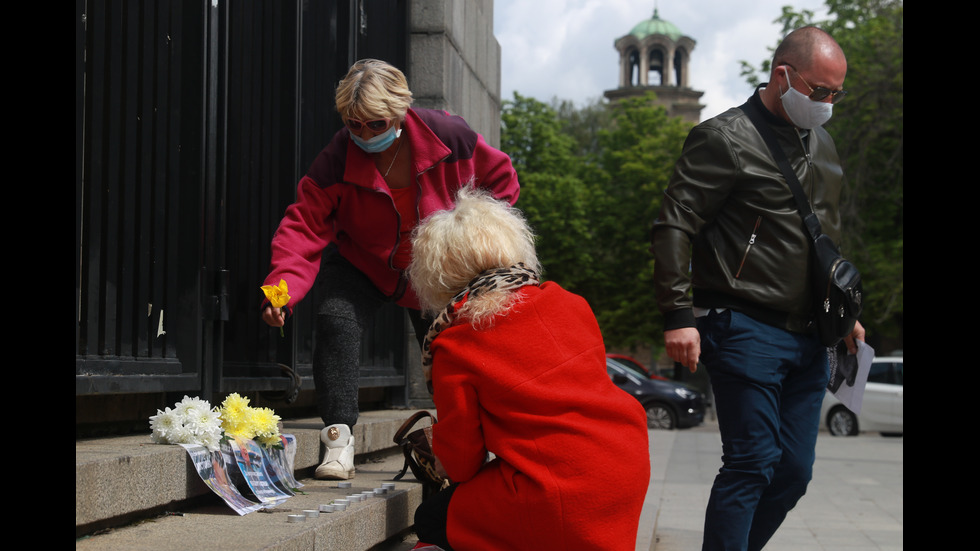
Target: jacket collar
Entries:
(427, 151)
(769, 116)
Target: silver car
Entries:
(881, 409)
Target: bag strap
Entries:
(810, 219)
(409, 423)
(400, 437)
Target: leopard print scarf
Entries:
(513, 277)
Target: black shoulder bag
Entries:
(836, 281)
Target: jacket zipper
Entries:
(755, 232)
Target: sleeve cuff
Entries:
(679, 319)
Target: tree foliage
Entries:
(591, 181)
(553, 196)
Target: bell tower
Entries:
(654, 57)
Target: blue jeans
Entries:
(768, 385)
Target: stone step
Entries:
(133, 494)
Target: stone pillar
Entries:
(454, 61)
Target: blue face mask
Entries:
(378, 143)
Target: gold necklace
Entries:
(393, 158)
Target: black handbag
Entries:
(836, 281)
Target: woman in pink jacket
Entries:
(518, 374)
(349, 229)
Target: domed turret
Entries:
(655, 56)
(656, 25)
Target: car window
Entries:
(616, 368)
(879, 373)
(627, 368)
(886, 372)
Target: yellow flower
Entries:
(235, 414)
(270, 441)
(265, 422)
(278, 295)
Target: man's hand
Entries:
(856, 335)
(273, 316)
(684, 346)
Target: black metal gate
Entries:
(194, 120)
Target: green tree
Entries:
(591, 181)
(554, 199)
(868, 128)
(638, 148)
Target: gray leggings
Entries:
(348, 302)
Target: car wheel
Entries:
(842, 422)
(661, 417)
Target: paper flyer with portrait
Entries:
(849, 374)
(245, 475)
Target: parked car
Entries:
(881, 408)
(669, 404)
(631, 362)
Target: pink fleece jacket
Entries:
(344, 200)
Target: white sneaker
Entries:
(338, 461)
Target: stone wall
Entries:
(454, 62)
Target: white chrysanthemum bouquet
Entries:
(194, 421)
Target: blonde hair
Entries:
(373, 89)
(451, 247)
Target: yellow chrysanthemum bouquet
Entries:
(241, 420)
(194, 421)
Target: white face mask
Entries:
(803, 111)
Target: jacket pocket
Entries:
(748, 246)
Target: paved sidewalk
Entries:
(855, 502)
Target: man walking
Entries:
(729, 231)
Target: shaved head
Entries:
(804, 46)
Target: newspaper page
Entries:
(280, 465)
(849, 374)
(213, 469)
(249, 456)
(247, 480)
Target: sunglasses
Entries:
(820, 93)
(376, 125)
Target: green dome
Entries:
(656, 25)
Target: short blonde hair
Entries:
(451, 247)
(373, 89)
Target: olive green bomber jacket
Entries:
(729, 228)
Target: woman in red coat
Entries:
(518, 375)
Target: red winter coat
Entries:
(572, 459)
(344, 200)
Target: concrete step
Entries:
(133, 494)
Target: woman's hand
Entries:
(273, 316)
